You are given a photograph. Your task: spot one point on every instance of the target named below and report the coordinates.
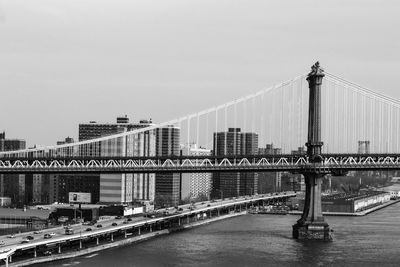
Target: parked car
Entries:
(88, 229)
(129, 220)
(47, 236)
(114, 224)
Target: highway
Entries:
(81, 233)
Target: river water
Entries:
(263, 240)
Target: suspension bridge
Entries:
(344, 126)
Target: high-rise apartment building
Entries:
(234, 142)
(127, 187)
(12, 185)
(168, 185)
(195, 185)
(67, 140)
(269, 181)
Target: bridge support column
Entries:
(312, 224)
(34, 252)
(112, 237)
(97, 240)
(80, 243)
(59, 248)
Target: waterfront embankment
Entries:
(358, 213)
(119, 243)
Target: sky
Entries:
(65, 62)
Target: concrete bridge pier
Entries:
(312, 224)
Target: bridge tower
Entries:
(312, 224)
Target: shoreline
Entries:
(359, 213)
(119, 243)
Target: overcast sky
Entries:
(63, 62)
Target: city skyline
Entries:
(128, 121)
(271, 40)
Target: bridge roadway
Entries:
(331, 163)
(12, 245)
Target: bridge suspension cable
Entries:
(362, 121)
(354, 119)
(277, 124)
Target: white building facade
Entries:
(195, 185)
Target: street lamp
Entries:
(80, 228)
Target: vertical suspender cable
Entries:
(226, 129)
(188, 131)
(197, 130)
(216, 133)
(262, 121)
(207, 129)
(253, 119)
(281, 119)
(235, 127)
(245, 115)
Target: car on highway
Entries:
(125, 222)
(24, 241)
(11, 236)
(2, 243)
(37, 232)
(29, 237)
(47, 236)
(114, 224)
(52, 234)
(129, 219)
(118, 217)
(69, 231)
(99, 226)
(47, 253)
(88, 229)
